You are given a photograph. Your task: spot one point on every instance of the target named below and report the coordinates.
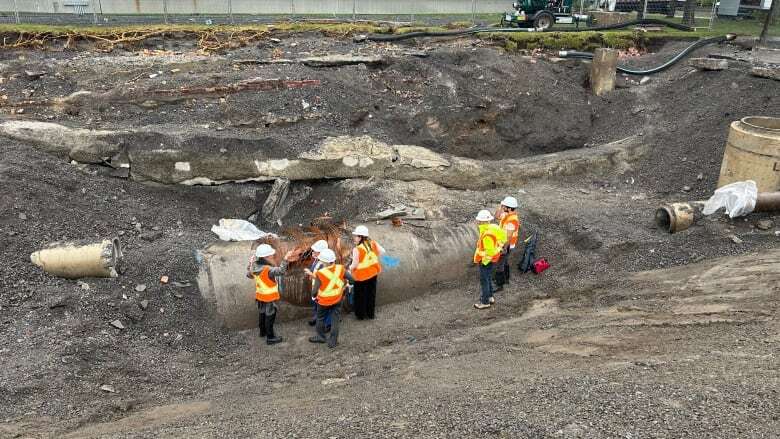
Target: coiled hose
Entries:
(677, 58)
(477, 30)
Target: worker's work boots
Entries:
(271, 338)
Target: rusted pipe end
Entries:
(675, 217)
(663, 218)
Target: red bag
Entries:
(540, 265)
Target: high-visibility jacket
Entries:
(491, 239)
(511, 218)
(331, 284)
(266, 289)
(368, 262)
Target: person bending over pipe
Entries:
(267, 284)
(365, 269)
(316, 249)
(510, 224)
(487, 254)
(329, 283)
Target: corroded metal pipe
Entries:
(432, 256)
(676, 217)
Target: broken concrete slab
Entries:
(275, 199)
(770, 72)
(398, 211)
(185, 162)
(81, 145)
(342, 60)
(766, 54)
(321, 61)
(712, 64)
(152, 97)
(602, 71)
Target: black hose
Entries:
(477, 30)
(677, 58)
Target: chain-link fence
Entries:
(733, 14)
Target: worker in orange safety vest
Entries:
(509, 222)
(316, 249)
(486, 255)
(365, 269)
(328, 289)
(267, 287)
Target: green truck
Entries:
(541, 14)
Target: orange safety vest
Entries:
(266, 289)
(511, 218)
(488, 233)
(331, 285)
(368, 262)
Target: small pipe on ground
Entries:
(676, 217)
(76, 260)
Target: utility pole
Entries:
(770, 16)
(16, 12)
(165, 11)
(354, 10)
(230, 11)
(644, 9)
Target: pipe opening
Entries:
(762, 122)
(116, 255)
(663, 219)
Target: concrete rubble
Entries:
(712, 64)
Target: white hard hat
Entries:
(484, 215)
(327, 256)
(510, 202)
(319, 246)
(264, 250)
(361, 231)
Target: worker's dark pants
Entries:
(267, 316)
(365, 298)
(329, 312)
(502, 268)
(486, 282)
(315, 308)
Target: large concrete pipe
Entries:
(436, 255)
(73, 260)
(753, 153)
(676, 217)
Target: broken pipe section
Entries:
(443, 254)
(676, 217)
(76, 260)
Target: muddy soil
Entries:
(584, 350)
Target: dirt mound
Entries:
(471, 101)
(478, 102)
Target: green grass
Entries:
(585, 40)
(335, 28)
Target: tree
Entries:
(688, 12)
(770, 16)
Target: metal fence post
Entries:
(165, 11)
(16, 12)
(713, 15)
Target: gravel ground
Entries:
(577, 352)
